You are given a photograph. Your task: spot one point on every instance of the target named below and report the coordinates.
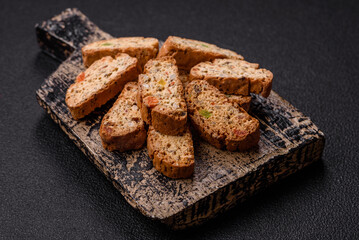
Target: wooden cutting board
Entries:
(289, 141)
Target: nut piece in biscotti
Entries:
(161, 96)
(122, 127)
(173, 156)
(242, 101)
(219, 121)
(139, 47)
(188, 52)
(184, 77)
(100, 83)
(234, 76)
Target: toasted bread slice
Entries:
(122, 128)
(100, 83)
(242, 101)
(172, 155)
(188, 52)
(219, 121)
(139, 47)
(161, 96)
(234, 76)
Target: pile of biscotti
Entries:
(165, 94)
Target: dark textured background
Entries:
(48, 189)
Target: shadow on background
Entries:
(44, 64)
(292, 185)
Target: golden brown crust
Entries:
(122, 128)
(243, 101)
(234, 76)
(163, 120)
(188, 52)
(228, 85)
(145, 111)
(79, 110)
(262, 86)
(168, 123)
(130, 141)
(143, 53)
(161, 97)
(218, 121)
(173, 166)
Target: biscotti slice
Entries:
(161, 96)
(243, 101)
(234, 76)
(122, 128)
(173, 156)
(100, 83)
(139, 47)
(188, 52)
(219, 121)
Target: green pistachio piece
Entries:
(106, 44)
(205, 113)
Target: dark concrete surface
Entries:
(49, 190)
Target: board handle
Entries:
(61, 35)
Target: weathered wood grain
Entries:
(62, 34)
(289, 141)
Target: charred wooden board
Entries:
(289, 141)
(64, 33)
